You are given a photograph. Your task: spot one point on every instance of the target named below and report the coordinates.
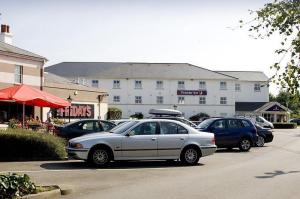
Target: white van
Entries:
(260, 121)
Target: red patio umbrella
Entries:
(27, 95)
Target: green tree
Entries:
(281, 17)
(291, 101)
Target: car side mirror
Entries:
(131, 133)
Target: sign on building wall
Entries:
(275, 108)
(191, 92)
(77, 111)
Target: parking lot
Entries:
(272, 171)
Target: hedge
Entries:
(285, 125)
(20, 144)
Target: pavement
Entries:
(271, 172)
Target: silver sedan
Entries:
(148, 139)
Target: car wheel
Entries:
(99, 157)
(245, 144)
(260, 141)
(190, 156)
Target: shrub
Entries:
(137, 116)
(114, 114)
(14, 123)
(20, 144)
(285, 125)
(14, 185)
(198, 116)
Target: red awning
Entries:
(31, 96)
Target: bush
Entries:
(198, 116)
(114, 114)
(137, 116)
(285, 125)
(14, 123)
(14, 185)
(20, 144)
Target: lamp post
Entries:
(70, 101)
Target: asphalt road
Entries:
(271, 172)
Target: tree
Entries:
(281, 17)
(291, 101)
(114, 113)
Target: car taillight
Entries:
(213, 141)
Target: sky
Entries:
(204, 33)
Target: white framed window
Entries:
(181, 85)
(223, 100)
(138, 84)
(116, 99)
(95, 83)
(180, 100)
(159, 84)
(18, 74)
(116, 84)
(202, 100)
(202, 85)
(257, 87)
(138, 99)
(223, 85)
(159, 99)
(237, 87)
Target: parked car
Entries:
(231, 132)
(261, 121)
(83, 127)
(296, 120)
(265, 135)
(146, 139)
(170, 114)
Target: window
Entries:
(223, 100)
(116, 84)
(167, 128)
(219, 124)
(138, 99)
(138, 84)
(223, 85)
(147, 128)
(159, 99)
(202, 100)
(159, 84)
(237, 87)
(202, 85)
(181, 85)
(256, 87)
(246, 123)
(234, 124)
(95, 83)
(116, 99)
(107, 126)
(18, 74)
(180, 100)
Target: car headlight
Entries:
(76, 145)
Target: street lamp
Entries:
(70, 101)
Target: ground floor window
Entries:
(12, 110)
(269, 117)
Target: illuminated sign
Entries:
(191, 92)
(77, 111)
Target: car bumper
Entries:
(269, 138)
(80, 154)
(208, 150)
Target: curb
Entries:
(56, 193)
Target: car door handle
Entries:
(153, 139)
(181, 138)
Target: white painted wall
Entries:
(247, 93)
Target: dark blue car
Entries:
(231, 132)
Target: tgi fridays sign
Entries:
(191, 92)
(77, 111)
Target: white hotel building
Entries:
(138, 87)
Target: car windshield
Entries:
(123, 127)
(205, 123)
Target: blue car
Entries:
(231, 132)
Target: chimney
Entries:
(5, 35)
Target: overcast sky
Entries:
(197, 32)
